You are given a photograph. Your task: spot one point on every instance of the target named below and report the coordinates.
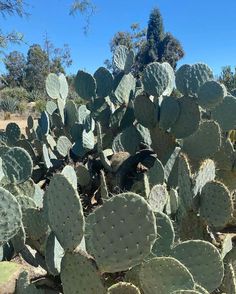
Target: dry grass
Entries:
(21, 121)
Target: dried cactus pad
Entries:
(123, 288)
(65, 212)
(203, 261)
(165, 275)
(120, 234)
(11, 216)
(17, 165)
(79, 275)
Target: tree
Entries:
(86, 8)
(170, 50)
(10, 8)
(159, 46)
(15, 64)
(132, 39)
(36, 68)
(60, 58)
(228, 78)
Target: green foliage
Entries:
(86, 8)
(15, 64)
(8, 105)
(228, 77)
(36, 68)
(18, 93)
(9, 8)
(159, 46)
(40, 105)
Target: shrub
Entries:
(40, 105)
(17, 93)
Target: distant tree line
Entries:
(31, 71)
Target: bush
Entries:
(18, 93)
(40, 105)
(22, 107)
(36, 95)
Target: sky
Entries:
(206, 28)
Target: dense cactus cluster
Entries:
(132, 192)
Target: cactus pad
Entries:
(63, 145)
(125, 87)
(155, 79)
(224, 113)
(199, 257)
(185, 182)
(165, 233)
(216, 204)
(35, 223)
(13, 133)
(53, 86)
(17, 165)
(85, 85)
(211, 94)
(104, 81)
(145, 111)
(169, 112)
(188, 119)
(51, 106)
(206, 173)
(69, 172)
(53, 254)
(11, 216)
(83, 175)
(123, 288)
(156, 173)
(128, 238)
(189, 78)
(171, 82)
(123, 58)
(165, 275)
(158, 198)
(79, 275)
(65, 212)
(205, 142)
(64, 89)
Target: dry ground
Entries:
(21, 121)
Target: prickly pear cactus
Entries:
(131, 192)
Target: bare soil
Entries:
(21, 121)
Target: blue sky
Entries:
(206, 28)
